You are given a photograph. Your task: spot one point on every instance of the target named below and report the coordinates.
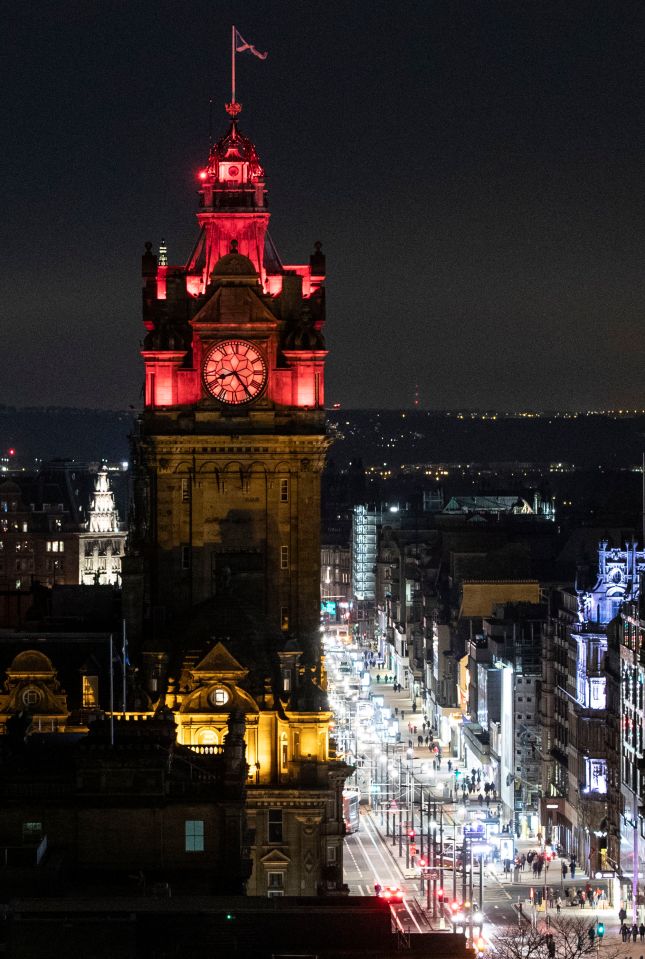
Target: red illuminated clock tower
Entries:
(232, 440)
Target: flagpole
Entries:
(233, 64)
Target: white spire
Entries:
(103, 514)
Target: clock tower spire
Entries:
(232, 206)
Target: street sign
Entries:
(430, 873)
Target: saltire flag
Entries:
(241, 45)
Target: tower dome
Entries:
(235, 266)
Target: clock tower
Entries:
(221, 586)
(232, 438)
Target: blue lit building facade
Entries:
(606, 718)
(590, 751)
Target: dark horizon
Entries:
(474, 174)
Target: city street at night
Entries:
(398, 834)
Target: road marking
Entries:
(378, 846)
(409, 912)
(349, 849)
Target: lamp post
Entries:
(547, 863)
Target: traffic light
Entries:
(600, 929)
(440, 895)
(454, 905)
(411, 834)
(421, 863)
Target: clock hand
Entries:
(244, 386)
(237, 376)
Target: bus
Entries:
(351, 810)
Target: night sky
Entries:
(474, 170)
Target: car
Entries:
(392, 893)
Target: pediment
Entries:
(237, 304)
(275, 858)
(218, 663)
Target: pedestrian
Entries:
(622, 914)
(634, 932)
(396, 710)
(565, 870)
(419, 740)
(624, 932)
(641, 931)
(378, 677)
(434, 764)
(409, 744)
(414, 729)
(402, 714)
(481, 800)
(523, 862)
(449, 765)
(558, 905)
(427, 740)
(572, 868)
(425, 726)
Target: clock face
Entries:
(234, 372)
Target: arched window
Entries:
(207, 737)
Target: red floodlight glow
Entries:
(12, 451)
(203, 174)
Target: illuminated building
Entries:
(589, 754)
(48, 536)
(623, 831)
(102, 547)
(222, 582)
